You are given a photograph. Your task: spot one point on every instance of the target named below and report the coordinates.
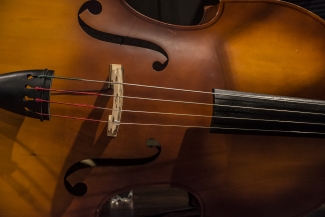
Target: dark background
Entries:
(189, 12)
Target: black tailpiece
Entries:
(17, 93)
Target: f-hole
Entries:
(151, 202)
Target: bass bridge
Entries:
(115, 83)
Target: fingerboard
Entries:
(250, 113)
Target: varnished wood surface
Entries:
(245, 47)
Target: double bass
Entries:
(97, 99)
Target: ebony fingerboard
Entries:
(249, 113)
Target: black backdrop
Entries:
(189, 12)
(316, 6)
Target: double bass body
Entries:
(266, 47)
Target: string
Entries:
(176, 114)
(129, 97)
(179, 101)
(71, 104)
(183, 126)
(70, 117)
(229, 93)
(122, 83)
(223, 128)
